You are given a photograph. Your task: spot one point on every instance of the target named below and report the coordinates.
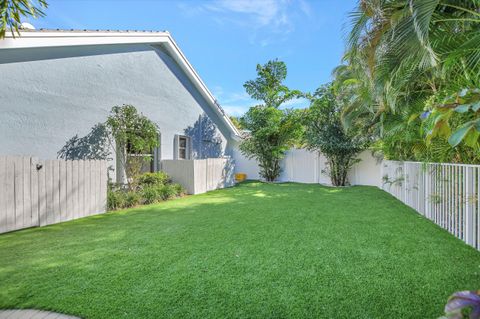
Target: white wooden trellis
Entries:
(447, 194)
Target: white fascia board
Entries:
(59, 39)
(44, 39)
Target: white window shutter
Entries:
(175, 146)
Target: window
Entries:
(182, 147)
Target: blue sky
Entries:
(225, 39)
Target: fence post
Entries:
(34, 191)
(427, 187)
(469, 196)
(404, 197)
(421, 191)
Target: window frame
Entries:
(185, 148)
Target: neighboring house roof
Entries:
(60, 38)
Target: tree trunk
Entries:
(270, 170)
(338, 172)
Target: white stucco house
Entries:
(58, 84)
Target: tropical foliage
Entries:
(326, 134)
(12, 12)
(412, 76)
(271, 131)
(236, 121)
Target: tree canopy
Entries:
(271, 130)
(412, 77)
(326, 134)
(268, 86)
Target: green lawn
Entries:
(253, 251)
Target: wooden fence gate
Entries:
(38, 193)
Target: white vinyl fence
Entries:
(38, 193)
(202, 175)
(447, 194)
(303, 166)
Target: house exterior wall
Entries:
(49, 95)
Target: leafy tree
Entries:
(133, 134)
(12, 11)
(407, 57)
(271, 130)
(237, 122)
(326, 134)
(268, 86)
(271, 133)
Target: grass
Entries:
(253, 251)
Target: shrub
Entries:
(115, 199)
(152, 188)
(150, 195)
(179, 189)
(132, 199)
(153, 179)
(167, 191)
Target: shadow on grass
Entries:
(254, 250)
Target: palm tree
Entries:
(12, 11)
(404, 56)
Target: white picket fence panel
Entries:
(38, 193)
(447, 194)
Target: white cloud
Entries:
(264, 14)
(217, 91)
(305, 8)
(234, 103)
(269, 21)
(261, 12)
(235, 110)
(237, 97)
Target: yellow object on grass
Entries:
(240, 177)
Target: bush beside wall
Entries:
(149, 188)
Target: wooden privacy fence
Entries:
(447, 194)
(38, 193)
(202, 175)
